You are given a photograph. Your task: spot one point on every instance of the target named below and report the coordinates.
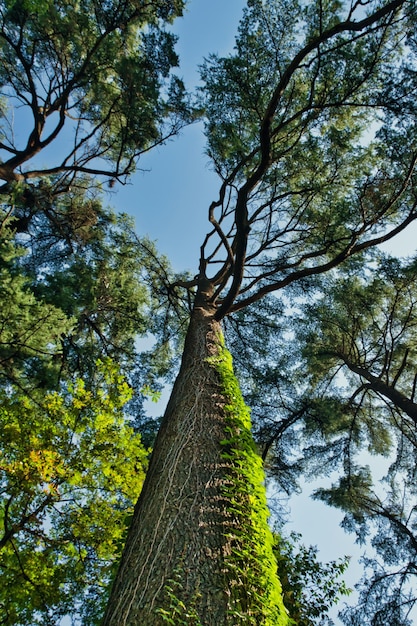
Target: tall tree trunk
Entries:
(199, 551)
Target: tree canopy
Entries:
(310, 127)
(100, 72)
(71, 461)
(313, 103)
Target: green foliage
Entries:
(30, 328)
(239, 89)
(73, 293)
(178, 613)
(379, 320)
(310, 588)
(106, 66)
(71, 469)
(101, 286)
(255, 590)
(359, 347)
(78, 257)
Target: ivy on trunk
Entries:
(199, 550)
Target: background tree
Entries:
(75, 291)
(71, 463)
(85, 88)
(98, 80)
(359, 346)
(70, 469)
(309, 587)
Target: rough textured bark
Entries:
(176, 562)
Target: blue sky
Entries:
(170, 198)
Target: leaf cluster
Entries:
(70, 471)
(310, 588)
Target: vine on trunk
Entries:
(178, 613)
(250, 567)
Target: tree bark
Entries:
(176, 562)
